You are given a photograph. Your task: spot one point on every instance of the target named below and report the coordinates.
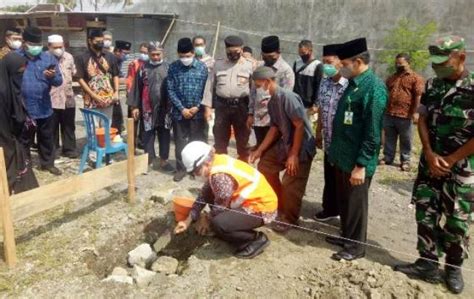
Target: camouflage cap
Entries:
(439, 52)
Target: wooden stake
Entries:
(216, 39)
(131, 160)
(9, 246)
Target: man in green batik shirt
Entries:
(355, 146)
(444, 187)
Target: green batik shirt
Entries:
(449, 108)
(357, 141)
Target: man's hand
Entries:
(255, 155)
(116, 98)
(357, 176)
(135, 113)
(203, 224)
(207, 113)
(319, 140)
(437, 165)
(250, 121)
(448, 161)
(49, 74)
(292, 165)
(313, 110)
(187, 113)
(415, 117)
(194, 110)
(182, 226)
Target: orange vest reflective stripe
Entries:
(253, 190)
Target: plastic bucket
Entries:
(182, 207)
(100, 134)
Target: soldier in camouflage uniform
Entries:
(444, 186)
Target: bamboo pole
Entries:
(163, 41)
(9, 245)
(216, 39)
(131, 160)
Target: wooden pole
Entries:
(131, 160)
(163, 41)
(9, 246)
(216, 39)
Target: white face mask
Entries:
(58, 52)
(107, 43)
(152, 62)
(15, 44)
(187, 61)
(144, 57)
(263, 93)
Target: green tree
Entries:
(16, 8)
(410, 37)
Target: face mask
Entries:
(329, 70)
(200, 50)
(233, 56)
(15, 45)
(58, 52)
(305, 57)
(107, 43)
(144, 57)
(443, 71)
(34, 50)
(269, 61)
(98, 46)
(187, 61)
(152, 62)
(346, 72)
(125, 57)
(263, 93)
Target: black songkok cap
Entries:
(270, 44)
(352, 48)
(185, 45)
(33, 35)
(233, 41)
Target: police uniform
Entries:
(231, 89)
(446, 107)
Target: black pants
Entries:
(232, 116)
(64, 122)
(45, 138)
(164, 139)
(117, 118)
(236, 227)
(353, 204)
(260, 133)
(185, 131)
(330, 206)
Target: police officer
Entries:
(231, 89)
(444, 187)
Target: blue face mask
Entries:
(329, 70)
(34, 50)
(144, 57)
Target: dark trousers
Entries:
(232, 116)
(395, 127)
(260, 133)
(236, 227)
(329, 192)
(290, 190)
(185, 131)
(353, 202)
(117, 117)
(164, 139)
(64, 123)
(45, 136)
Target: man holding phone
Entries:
(41, 73)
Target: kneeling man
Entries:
(240, 199)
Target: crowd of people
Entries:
(355, 111)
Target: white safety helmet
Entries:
(194, 154)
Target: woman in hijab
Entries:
(13, 120)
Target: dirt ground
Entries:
(68, 251)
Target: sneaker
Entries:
(179, 176)
(323, 216)
(422, 269)
(52, 169)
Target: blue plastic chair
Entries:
(92, 117)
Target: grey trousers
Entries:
(397, 128)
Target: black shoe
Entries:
(454, 280)
(347, 255)
(52, 169)
(336, 241)
(422, 269)
(71, 155)
(323, 216)
(254, 248)
(179, 176)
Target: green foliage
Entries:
(16, 8)
(410, 37)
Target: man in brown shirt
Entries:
(405, 88)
